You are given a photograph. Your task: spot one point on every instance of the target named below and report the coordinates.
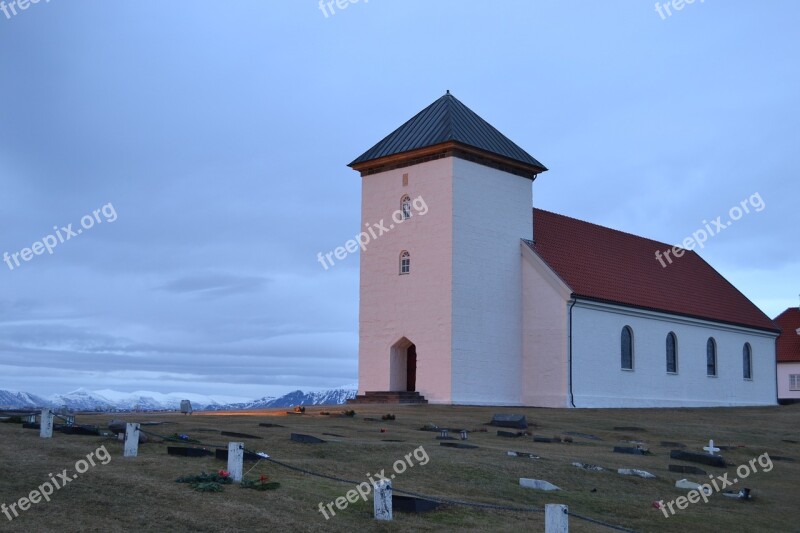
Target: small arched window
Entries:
(405, 262)
(711, 357)
(747, 361)
(405, 207)
(672, 353)
(626, 348)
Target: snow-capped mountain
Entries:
(110, 400)
(21, 400)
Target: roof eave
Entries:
(445, 149)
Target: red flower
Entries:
(223, 473)
(263, 479)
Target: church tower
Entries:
(445, 200)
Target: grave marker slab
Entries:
(306, 439)
(238, 435)
(701, 458)
(538, 484)
(509, 421)
(457, 445)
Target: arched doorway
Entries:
(403, 366)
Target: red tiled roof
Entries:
(789, 341)
(608, 265)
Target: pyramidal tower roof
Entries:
(447, 128)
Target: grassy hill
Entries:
(139, 494)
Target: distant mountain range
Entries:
(110, 400)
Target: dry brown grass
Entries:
(139, 494)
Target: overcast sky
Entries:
(219, 133)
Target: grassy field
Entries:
(139, 494)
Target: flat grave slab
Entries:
(183, 451)
(509, 421)
(306, 439)
(701, 458)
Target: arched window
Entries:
(626, 348)
(405, 262)
(405, 207)
(672, 353)
(747, 361)
(711, 357)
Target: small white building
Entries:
(789, 356)
(486, 301)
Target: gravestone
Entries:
(131, 447)
(235, 459)
(537, 438)
(635, 472)
(221, 454)
(268, 425)
(306, 439)
(509, 434)
(556, 518)
(538, 484)
(238, 435)
(186, 407)
(522, 454)
(412, 504)
(631, 450)
(188, 452)
(711, 448)
(509, 421)
(46, 424)
(460, 445)
(702, 458)
(382, 502)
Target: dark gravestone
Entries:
(392, 440)
(410, 504)
(509, 421)
(628, 428)
(268, 425)
(222, 455)
(445, 437)
(238, 435)
(335, 435)
(510, 434)
(306, 439)
(781, 458)
(537, 438)
(188, 452)
(89, 431)
(702, 458)
(28, 425)
(457, 445)
(670, 444)
(685, 469)
(630, 450)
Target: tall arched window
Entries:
(672, 353)
(626, 349)
(405, 207)
(747, 361)
(405, 262)
(711, 357)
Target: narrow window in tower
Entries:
(405, 262)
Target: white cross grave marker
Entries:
(710, 448)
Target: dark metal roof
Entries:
(447, 120)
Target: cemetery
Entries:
(585, 470)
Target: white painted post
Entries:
(131, 440)
(383, 500)
(235, 460)
(46, 427)
(556, 518)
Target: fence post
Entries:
(235, 460)
(131, 440)
(556, 518)
(46, 427)
(383, 500)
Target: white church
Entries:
(485, 300)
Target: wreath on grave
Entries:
(205, 482)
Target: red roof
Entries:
(603, 264)
(789, 341)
